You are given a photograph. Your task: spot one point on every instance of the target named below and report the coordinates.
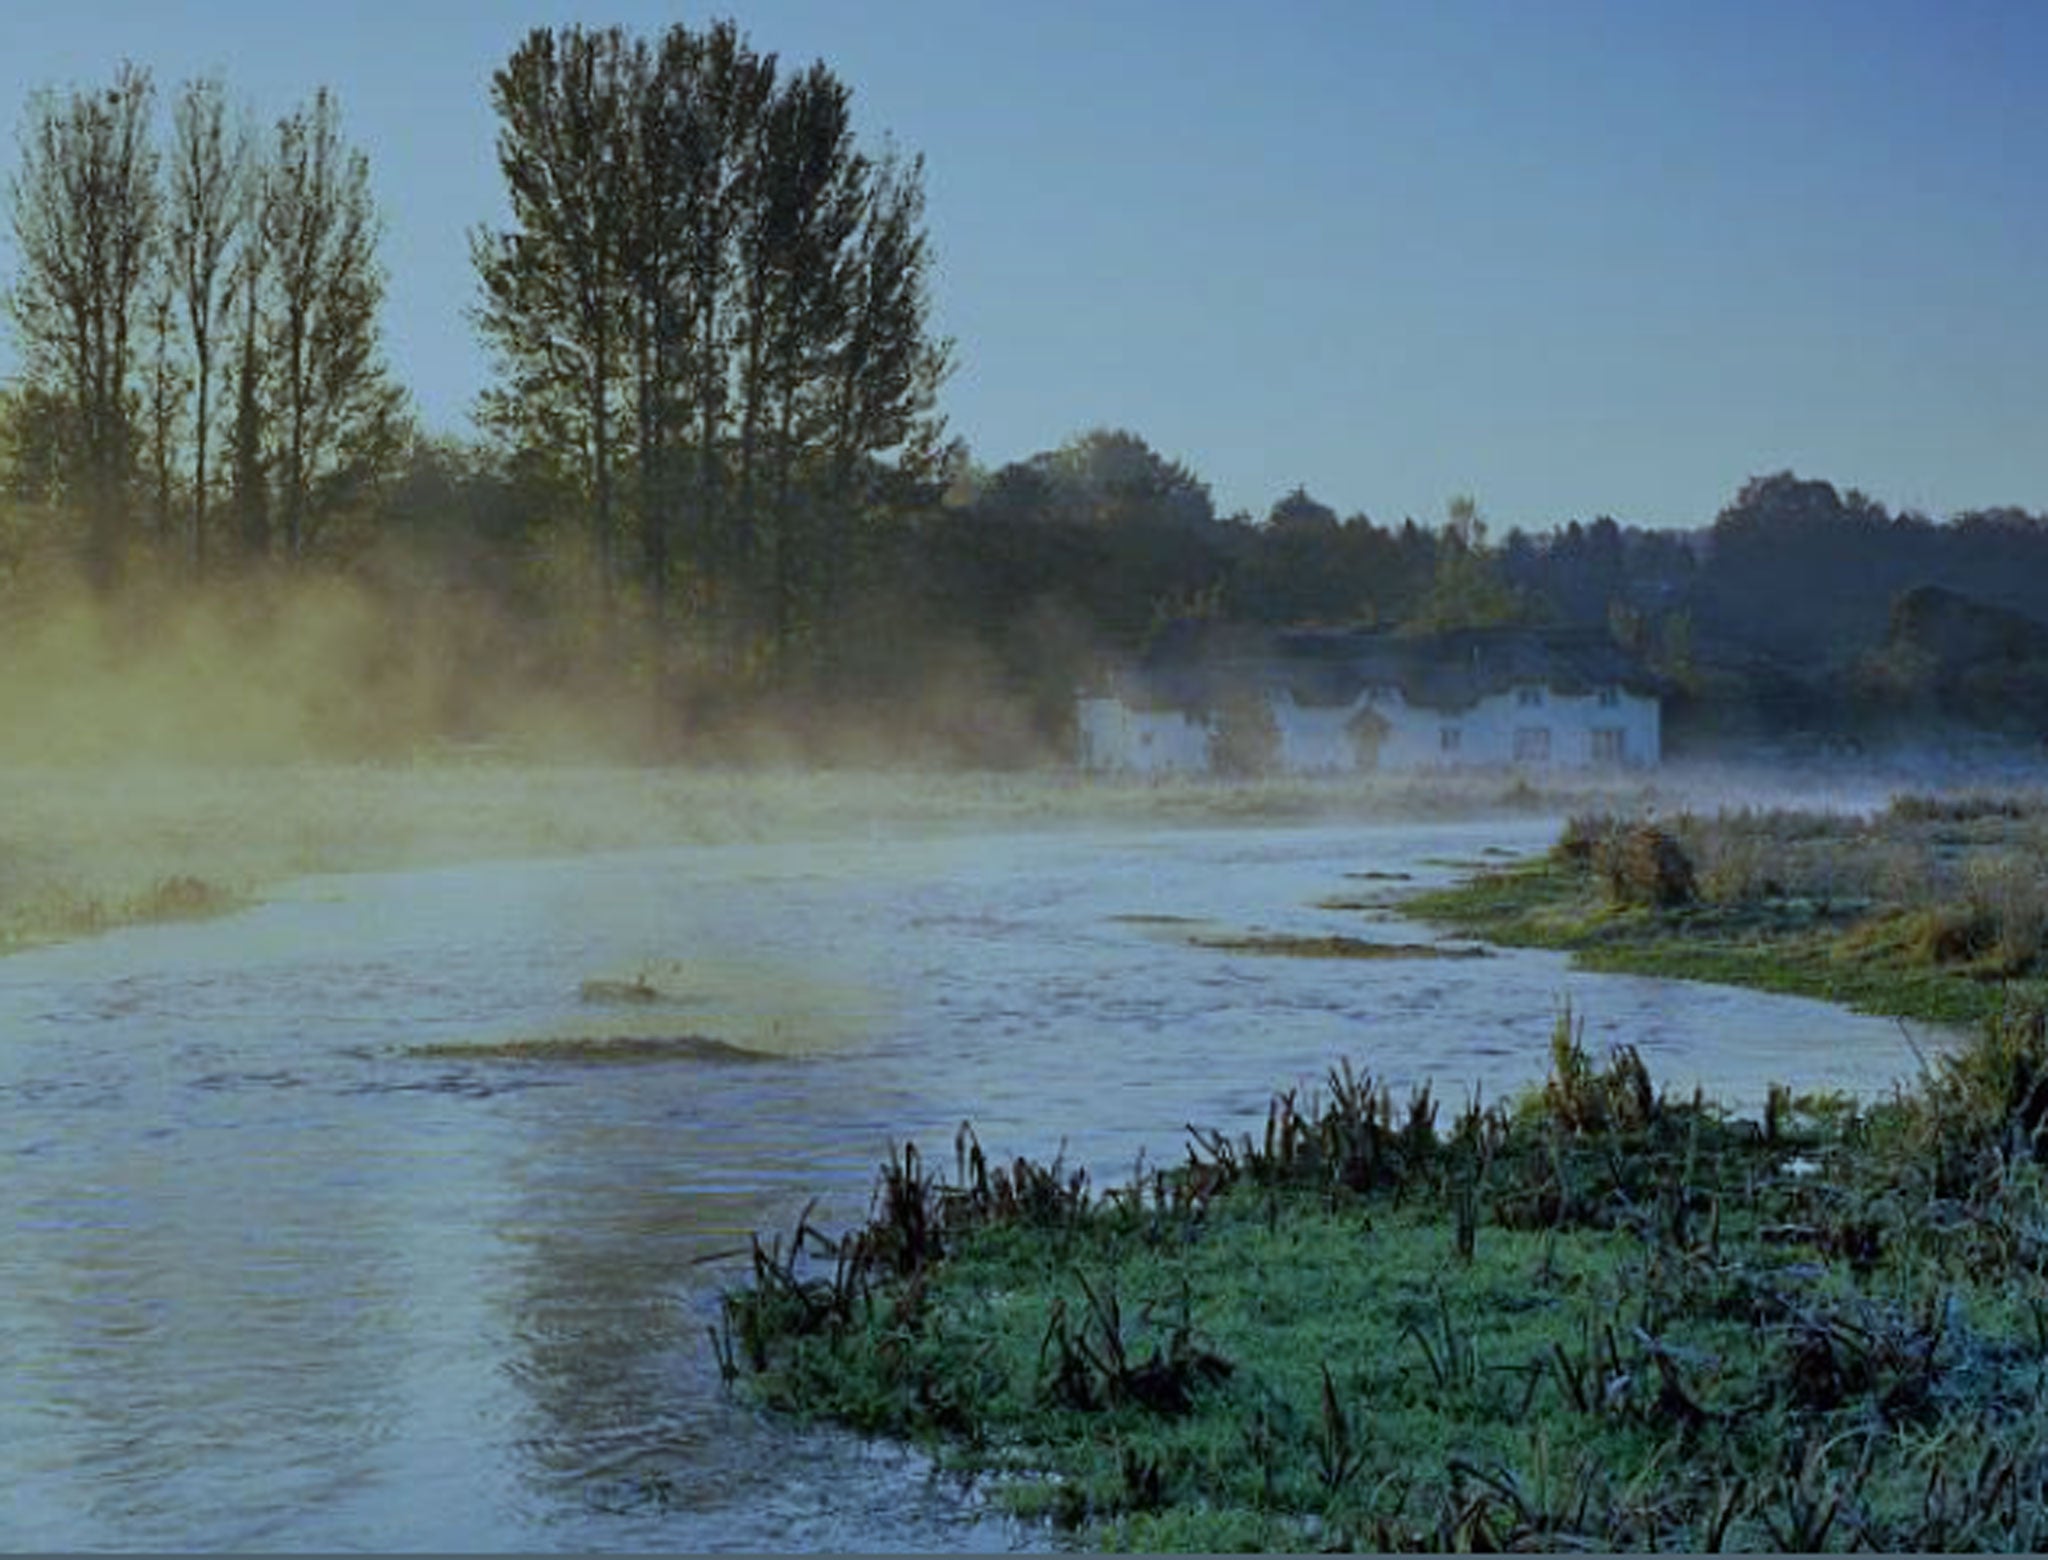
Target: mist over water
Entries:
(275, 1276)
(323, 1227)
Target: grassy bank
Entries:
(1597, 1318)
(86, 847)
(1934, 908)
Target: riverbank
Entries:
(1932, 908)
(87, 847)
(1593, 1317)
(1599, 1317)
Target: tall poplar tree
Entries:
(555, 306)
(887, 368)
(211, 201)
(708, 283)
(804, 227)
(249, 459)
(86, 211)
(728, 85)
(164, 402)
(338, 415)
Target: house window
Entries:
(1609, 698)
(1610, 745)
(1450, 739)
(1529, 698)
(1532, 745)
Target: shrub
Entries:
(1961, 809)
(1584, 835)
(2006, 893)
(1645, 865)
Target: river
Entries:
(270, 1279)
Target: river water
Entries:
(270, 1279)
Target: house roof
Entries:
(1190, 669)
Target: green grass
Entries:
(1859, 952)
(1595, 1318)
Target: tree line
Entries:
(711, 315)
(197, 316)
(713, 441)
(1800, 608)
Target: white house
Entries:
(1325, 702)
(1131, 739)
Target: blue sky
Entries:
(1571, 257)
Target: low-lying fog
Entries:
(326, 1225)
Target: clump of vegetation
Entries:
(637, 990)
(1338, 947)
(1968, 807)
(1931, 909)
(179, 897)
(654, 982)
(590, 1048)
(1594, 1317)
(59, 911)
(1637, 863)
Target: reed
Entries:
(1370, 1324)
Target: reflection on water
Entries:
(269, 1278)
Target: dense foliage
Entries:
(709, 285)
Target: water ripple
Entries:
(269, 1280)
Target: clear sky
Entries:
(1571, 257)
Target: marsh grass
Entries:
(54, 912)
(626, 1048)
(1931, 908)
(1298, 946)
(1592, 1317)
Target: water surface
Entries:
(269, 1280)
